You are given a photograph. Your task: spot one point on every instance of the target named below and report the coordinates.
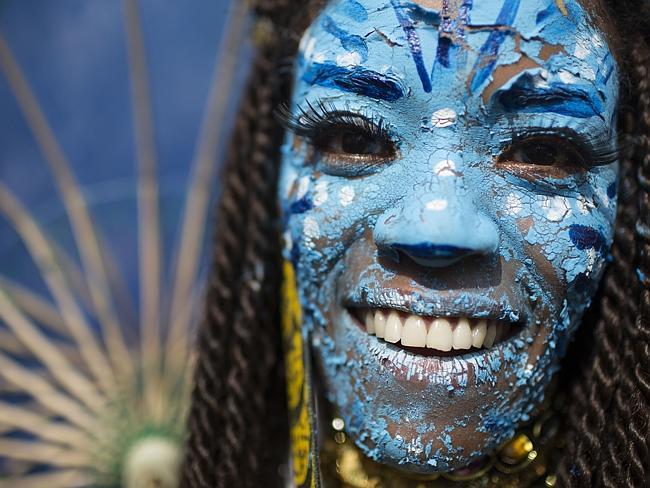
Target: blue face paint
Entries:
(350, 42)
(487, 59)
(423, 181)
(413, 41)
(354, 79)
(531, 93)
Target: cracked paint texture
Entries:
(453, 83)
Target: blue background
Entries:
(73, 54)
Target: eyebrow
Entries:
(354, 79)
(578, 101)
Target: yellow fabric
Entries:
(303, 460)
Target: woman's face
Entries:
(449, 193)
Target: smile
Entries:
(433, 335)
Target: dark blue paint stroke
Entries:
(350, 42)
(414, 44)
(542, 15)
(560, 98)
(446, 47)
(497, 423)
(611, 189)
(420, 14)
(442, 53)
(294, 254)
(603, 79)
(355, 10)
(444, 39)
(488, 54)
(301, 205)
(354, 79)
(427, 250)
(585, 237)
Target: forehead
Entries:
(460, 49)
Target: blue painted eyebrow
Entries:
(578, 101)
(354, 79)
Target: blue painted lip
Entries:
(470, 304)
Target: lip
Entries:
(473, 368)
(466, 304)
(363, 281)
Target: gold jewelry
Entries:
(523, 461)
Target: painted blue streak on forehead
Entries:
(350, 42)
(488, 54)
(354, 79)
(560, 98)
(414, 44)
(444, 39)
(448, 27)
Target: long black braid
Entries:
(609, 406)
(237, 422)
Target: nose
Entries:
(435, 231)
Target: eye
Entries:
(544, 151)
(354, 143)
(345, 143)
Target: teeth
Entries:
(393, 327)
(478, 333)
(380, 323)
(462, 337)
(414, 332)
(438, 333)
(370, 322)
(439, 336)
(490, 335)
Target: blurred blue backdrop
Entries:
(73, 54)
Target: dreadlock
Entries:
(608, 408)
(237, 422)
(237, 426)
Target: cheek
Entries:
(566, 241)
(323, 216)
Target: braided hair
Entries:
(237, 423)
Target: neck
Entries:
(527, 459)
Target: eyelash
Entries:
(319, 125)
(596, 151)
(308, 122)
(351, 144)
